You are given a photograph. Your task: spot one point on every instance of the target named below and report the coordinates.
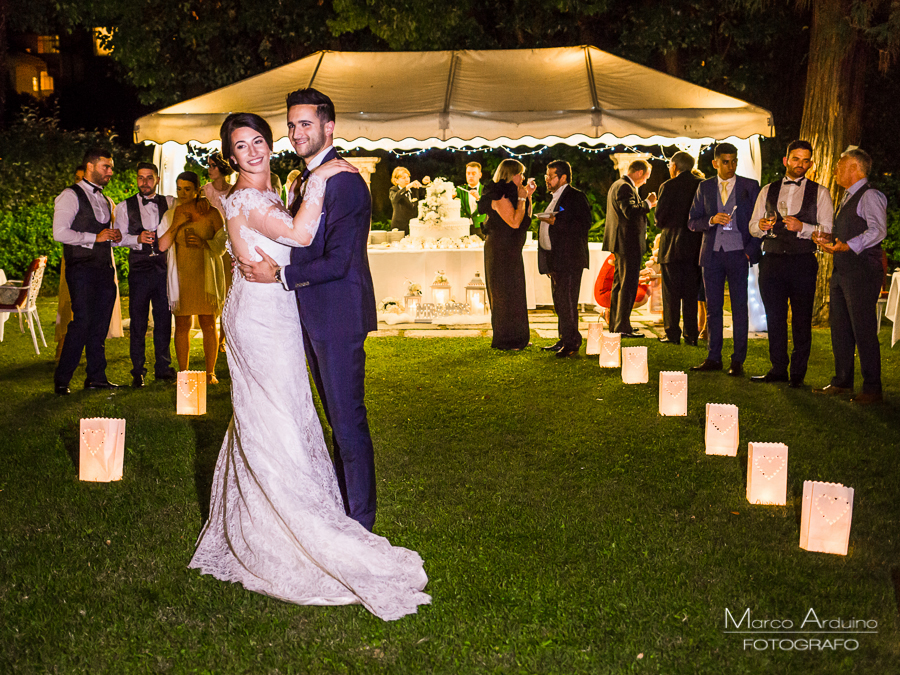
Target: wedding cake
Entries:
(439, 214)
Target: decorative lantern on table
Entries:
(634, 365)
(609, 349)
(673, 393)
(413, 297)
(767, 473)
(476, 295)
(595, 332)
(102, 449)
(826, 516)
(190, 397)
(722, 432)
(440, 289)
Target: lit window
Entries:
(46, 81)
(48, 44)
(35, 84)
(99, 34)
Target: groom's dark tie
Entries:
(295, 205)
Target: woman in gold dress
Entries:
(196, 275)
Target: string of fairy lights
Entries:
(607, 149)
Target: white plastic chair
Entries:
(26, 302)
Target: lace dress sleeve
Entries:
(264, 212)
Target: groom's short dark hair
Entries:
(310, 96)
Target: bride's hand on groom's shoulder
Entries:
(333, 167)
(258, 272)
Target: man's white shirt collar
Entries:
(317, 160)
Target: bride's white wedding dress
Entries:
(277, 523)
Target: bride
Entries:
(276, 521)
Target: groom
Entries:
(335, 296)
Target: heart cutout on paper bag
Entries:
(188, 394)
(610, 347)
(832, 508)
(722, 423)
(680, 388)
(764, 464)
(93, 432)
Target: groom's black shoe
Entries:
(566, 351)
(553, 348)
(100, 385)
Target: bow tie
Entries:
(95, 188)
(146, 201)
(791, 182)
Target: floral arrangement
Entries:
(390, 305)
(440, 279)
(438, 202)
(413, 288)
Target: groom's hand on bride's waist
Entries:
(261, 272)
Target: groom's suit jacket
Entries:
(331, 276)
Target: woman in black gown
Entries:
(507, 202)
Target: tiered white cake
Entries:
(439, 214)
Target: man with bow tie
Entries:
(788, 269)
(83, 224)
(137, 219)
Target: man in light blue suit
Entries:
(721, 210)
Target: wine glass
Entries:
(821, 235)
(770, 216)
(153, 244)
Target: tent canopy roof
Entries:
(456, 98)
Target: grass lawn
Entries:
(566, 527)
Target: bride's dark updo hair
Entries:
(239, 121)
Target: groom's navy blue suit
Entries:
(336, 300)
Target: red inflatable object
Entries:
(603, 285)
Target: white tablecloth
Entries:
(391, 268)
(892, 310)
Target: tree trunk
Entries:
(835, 87)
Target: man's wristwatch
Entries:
(278, 276)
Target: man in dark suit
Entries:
(859, 228)
(468, 195)
(679, 251)
(721, 211)
(335, 297)
(626, 238)
(563, 252)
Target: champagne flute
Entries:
(822, 236)
(770, 216)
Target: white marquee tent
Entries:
(451, 99)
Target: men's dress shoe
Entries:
(100, 385)
(831, 390)
(633, 334)
(690, 343)
(736, 370)
(668, 341)
(565, 351)
(865, 398)
(138, 381)
(708, 365)
(796, 384)
(61, 390)
(553, 348)
(168, 375)
(769, 377)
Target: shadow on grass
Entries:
(895, 578)
(208, 439)
(68, 435)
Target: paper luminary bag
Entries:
(595, 332)
(722, 431)
(190, 398)
(826, 516)
(634, 365)
(101, 449)
(609, 349)
(767, 473)
(672, 393)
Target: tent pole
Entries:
(316, 71)
(444, 121)
(595, 102)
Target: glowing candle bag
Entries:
(190, 399)
(672, 393)
(101, 449)
(634, 365)
(609, 349)
(767, 473)
(722, 432)
(595, 332)
(826, 516)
